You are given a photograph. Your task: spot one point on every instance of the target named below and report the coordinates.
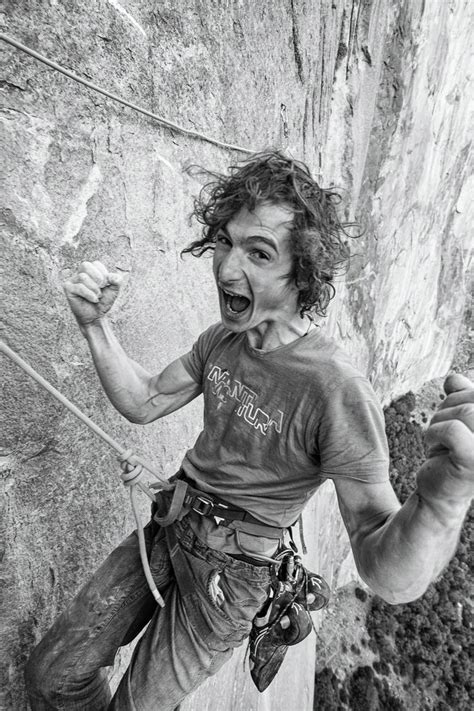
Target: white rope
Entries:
(75, 410)
(95, 87)
(132, 465)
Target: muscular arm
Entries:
(400, 550)
(136, 394)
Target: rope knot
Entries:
(132, 470)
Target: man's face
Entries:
(252, 263)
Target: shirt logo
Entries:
(224, 387)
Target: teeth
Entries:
(236, 303)
(232, 293)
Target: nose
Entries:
(230, 266)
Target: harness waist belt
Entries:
(186, 496)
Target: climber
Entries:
(284, 410)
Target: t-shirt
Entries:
(278, 423)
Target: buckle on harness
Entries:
(202, 505)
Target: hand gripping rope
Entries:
(133, 466)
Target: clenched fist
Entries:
(449, 470)
(92, 291)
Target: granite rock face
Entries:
(373, 95)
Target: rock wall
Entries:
(371, 94)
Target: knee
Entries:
(39, 675)
(52, 680)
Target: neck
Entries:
(272, 335)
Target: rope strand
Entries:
(95, 87)
(75, 410)
(143, 552)
(132, 465)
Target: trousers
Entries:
(184, 643)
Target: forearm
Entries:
(400, 550)
(403, 556)
(125, 382)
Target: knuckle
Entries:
(467, 409)
(88, 280)
(452, 426)
(442, 426)
(450, 400)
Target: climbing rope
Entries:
(132, 473)
(95, 87)
(133, 466)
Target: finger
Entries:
(100, 266)
(114, 279)
(94, 272)
(87, 281)
(457, 398)
(456, 382)
(79, 289)
(454, 436)
(109, 278)
(463, 412)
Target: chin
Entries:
(233, 326)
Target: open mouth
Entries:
(235, 303)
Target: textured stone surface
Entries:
(373, 95)
(410, 174)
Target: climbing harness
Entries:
(133, 466)
(95, 87)
(186, 497)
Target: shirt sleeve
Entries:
(351, 436)
(195, 360)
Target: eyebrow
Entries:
(266, 240)
(254, 238)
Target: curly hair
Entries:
(318, 239)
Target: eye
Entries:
(260, 255)
(223, 239)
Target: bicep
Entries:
(173, 388)
(364, 507)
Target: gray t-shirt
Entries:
(278, 423)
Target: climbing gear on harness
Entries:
(186, 497)
(284, 619)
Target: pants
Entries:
(184, 643)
